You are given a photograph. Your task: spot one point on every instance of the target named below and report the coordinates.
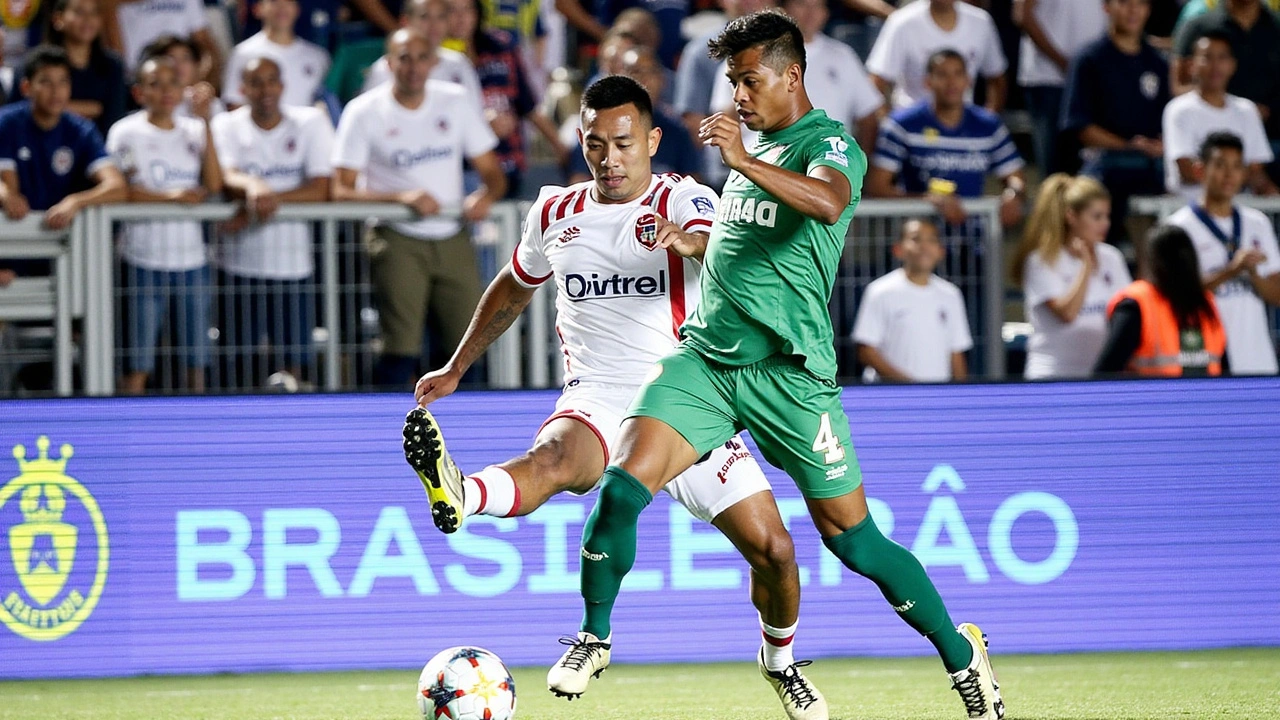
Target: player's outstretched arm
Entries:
(501, 304)
(822, 195)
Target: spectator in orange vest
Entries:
(1167, 325)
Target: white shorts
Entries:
(707, 489)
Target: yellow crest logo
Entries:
(58, 550)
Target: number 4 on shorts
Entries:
(827, 442)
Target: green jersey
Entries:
(769, 271)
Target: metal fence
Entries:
(232, 333)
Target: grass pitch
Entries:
(1113, 686)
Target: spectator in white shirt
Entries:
(165, 158)
(131, 25)
(270, 154)
(1068, 275)
(1238, 255)
(912, 325)
(199, 99)
(911, 35)
(304, 64)
(1191, 117)
(408, 140)
(1054, 32)
(431, 18)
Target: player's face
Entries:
(618, 144)
(277, 13)
(410, 62)
(949, 82)
(262, 88)
(919, 250)
(431, 18)
(1129, 16)
(185, 63)
(1213, 64)
(1224, 174)
(158, 89)
(810, 15)
(1092, 221)
(763, 97)
(80, 22)
(49, 91)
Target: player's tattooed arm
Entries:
(501, 304)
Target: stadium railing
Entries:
(56, 298)
(344, 343)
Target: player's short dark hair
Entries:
(1220, 140)
(777, 35)
(45, 56)
(1215, 36)
(164, 44)
(942, 56)
(615, 91)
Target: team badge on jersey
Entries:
(647, 231)
(703, 205)
(63, 159)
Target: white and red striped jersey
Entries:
(620, 299)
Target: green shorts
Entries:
(795, 417)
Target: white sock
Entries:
(777, 645)
(492, 491)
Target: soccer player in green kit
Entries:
(758, 354)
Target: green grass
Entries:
(1120, 686)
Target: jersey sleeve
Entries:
(1257, 148)
(477, 136)
(869, 327)
(839, 151)
(231, 77)
(319, 137)
(529, 262)
(1176, 134)
(1004, 159)
(692, 206)
(92, 149)
(885, 59)
(1081, 96)
(891, 146)
(961, 339)
(1039, 283)
(1270, 248)
(351, 145)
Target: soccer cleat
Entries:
(800, 698)
(586, 658)
(977, 683)
(425, 451)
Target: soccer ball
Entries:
(466, 683)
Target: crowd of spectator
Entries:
(442, 106)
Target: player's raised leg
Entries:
(568, 454)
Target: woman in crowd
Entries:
(1068, 274)
(97, 74)
(1166, 325)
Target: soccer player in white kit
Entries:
(622, 249)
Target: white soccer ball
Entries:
(466, 683)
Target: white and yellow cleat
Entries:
(425, 451)
(977, 683)
(799, 697)
(586, 658)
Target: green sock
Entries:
(904, 583)
(609, 545)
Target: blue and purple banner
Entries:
(286, 533)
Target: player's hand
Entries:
(261, 201)
(475, 207)
(435, 385)
(724, 131)
(1246, 260)
(950, 208)
(421, 202)
(672, 238)
(60, 216)
(16, 206)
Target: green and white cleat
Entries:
(977, 683)
(799, 697)
(586, 658)
(425, 451)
